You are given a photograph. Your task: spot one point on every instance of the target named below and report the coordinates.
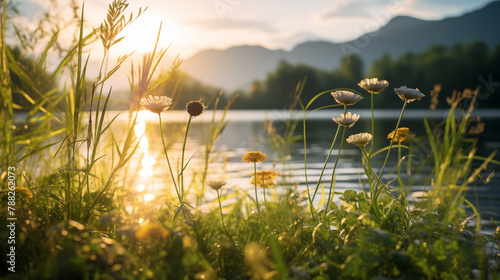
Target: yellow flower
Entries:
(265, 178)
(254, 157)
(152, 230)
(373, 85)
(408, 94)
(346, 120)
(401, 134)
(360, 139)
(217, 182)
(156, 104)
(346, 97)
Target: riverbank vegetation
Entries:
(70, 173)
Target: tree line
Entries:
(465, 65)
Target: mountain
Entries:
(236, 67)
(233, 67)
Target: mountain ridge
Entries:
(238, 66)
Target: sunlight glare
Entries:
(141, 35)
(140, 188)
(146, 171)
(144, 144)
(149, 197)
(141, 220)
(146, 115)
(148, 160)
(140, 128)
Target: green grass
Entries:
(73, 174)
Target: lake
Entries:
(246, 132)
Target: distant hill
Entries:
(236, 67)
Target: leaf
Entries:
(322, 200)
(349, 196)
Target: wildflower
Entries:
(156, 104)
(254, 157)
(346, 120)
(408, 94)
(401, 134)
(346, 97)
(152, 230)
(373, 85)
(217, 182)
(265, 178)
(195, 108)
(360, 139)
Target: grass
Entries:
(73, 172)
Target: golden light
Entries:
(140, 128)
(141, 220)
(144, 144)
(140, 188)
(149, 197)
(146, 115)
(148, 160)
(146, 171)
(141, 35)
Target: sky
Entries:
(189, 26)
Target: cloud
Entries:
(217, 24)
(429, 9)
(425, 9)
(350, 8)
(291, 40)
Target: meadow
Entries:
(71, 213)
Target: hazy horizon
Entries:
(189, 27)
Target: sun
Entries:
(140, 36)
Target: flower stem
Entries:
(181, 174)
(263, 190)
(335, 166)
(311, 206)
(369, 157)
(373, 129)
(369, 173)
(377, 191)
(333, 172)
(168, 161)
(255, 177)
(222, 220)
(326, 161)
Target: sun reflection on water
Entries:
(140, 187)
(147, 162)
(149, 183)
(149, 197)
